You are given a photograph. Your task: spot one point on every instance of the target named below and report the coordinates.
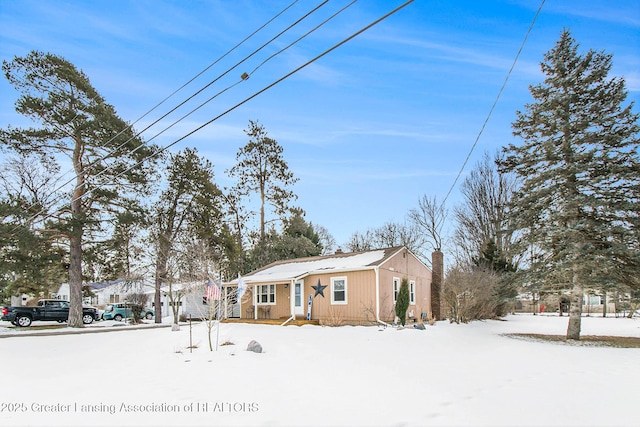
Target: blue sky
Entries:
(369, 128)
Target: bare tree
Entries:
(430, 216)
(482, 217)
(468, 294)
(388, 235)
(360, 242)
(326, 239)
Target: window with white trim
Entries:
(338, 290)
(396, 289)
(412, 292)
(266, 294)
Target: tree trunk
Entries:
(575, 311)
(75, 282)
(75, 246)
(604, 304)
(157, 300)
(262, 196)
(161, 272)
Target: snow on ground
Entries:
(446, 375)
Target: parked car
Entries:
(47, 309)
(124, 310)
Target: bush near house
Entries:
(402, 302)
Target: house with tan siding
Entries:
(343, 288)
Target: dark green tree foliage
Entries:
(580, 172)
(75, 122)
(402, 301)
(298, 240)
(190, 205)
(261, 169)
(493, 258)
(30, 262)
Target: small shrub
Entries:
(336, 317)
(402, 302)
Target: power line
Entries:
(357, 33)
(242, 78)
(107, 155)
(504, 84)
(302, 37)
(245, 76)
(202, 89)
(185, 85)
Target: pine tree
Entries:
(577, 208)
(402, 301)
(261, 168)
(190, 205)
(111, 165)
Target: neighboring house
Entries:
(107, 292)
(344, 288)
(192, 302)
(592, 303)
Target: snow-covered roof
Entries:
(287, 270)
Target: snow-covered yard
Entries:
(468, 375)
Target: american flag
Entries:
(213, 292)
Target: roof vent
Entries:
(339, 251)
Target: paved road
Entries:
(49, 330)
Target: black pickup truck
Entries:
(47, 309)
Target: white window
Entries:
(338, 290)
(396, 289)
(266, 294)
(412, 292)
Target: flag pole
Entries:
(219, 303)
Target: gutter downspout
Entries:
(288, 320)
(377, 271)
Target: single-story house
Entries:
(343, 288)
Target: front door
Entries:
(298, 299)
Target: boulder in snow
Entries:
(254, 346)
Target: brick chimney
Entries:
(437, 265)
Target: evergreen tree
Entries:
(190, 204)
(31, 262)
(261, 168)
(110, 165)
(402, 301)
(298, 240)
(580, 172)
